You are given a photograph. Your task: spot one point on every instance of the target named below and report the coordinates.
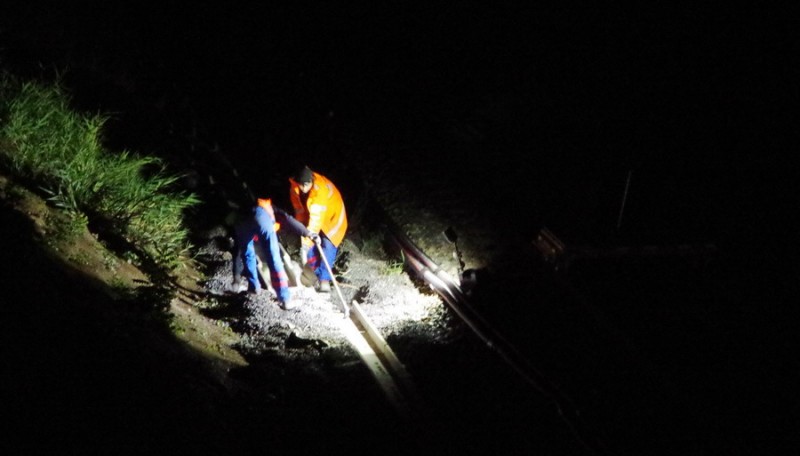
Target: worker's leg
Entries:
(315, 261)
(251, 268)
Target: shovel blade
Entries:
(292, 271)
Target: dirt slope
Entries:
(102, 359)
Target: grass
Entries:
(65, 227)
(60, 152)
(395, 267)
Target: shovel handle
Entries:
(345, 307)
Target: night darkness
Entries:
(554, 105)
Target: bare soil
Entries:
(187, 365)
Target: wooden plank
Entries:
(376, 367)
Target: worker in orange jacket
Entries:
(318, 204)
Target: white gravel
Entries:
(394, 303)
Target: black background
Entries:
(693, 101)
(690, 100)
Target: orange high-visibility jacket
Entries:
(324, 209)
(266, 204)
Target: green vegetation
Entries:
(60, 152)
(395, 267)
(65, 227)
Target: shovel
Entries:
(345, 308)
(291, 267)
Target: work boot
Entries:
(238, 286)
(288, 305)
(324, 286)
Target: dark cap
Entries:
(303, 176)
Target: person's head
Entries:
(304, 178)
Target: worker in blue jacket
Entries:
(259, 230)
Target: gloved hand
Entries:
(313, 236)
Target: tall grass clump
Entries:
(59, 150)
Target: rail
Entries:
(451, 292)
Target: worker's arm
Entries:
(290, 222)
(300, 211)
